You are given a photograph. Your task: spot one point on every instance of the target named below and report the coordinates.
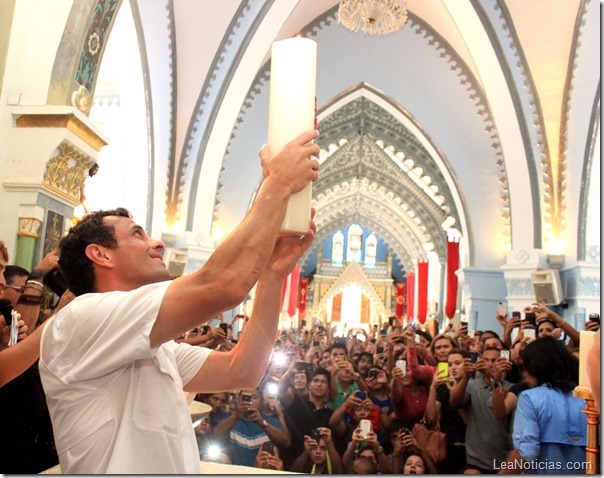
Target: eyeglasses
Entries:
(18, 288)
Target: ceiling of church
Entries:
(433, 124)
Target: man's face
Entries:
(364, 363)
(319, 386)
(11, 293)
(490, 357)
(337, 353)
(137, 258)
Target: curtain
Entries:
(289, 292)
(410, 294)
(422, 291)
(452, 266)
(400, 299)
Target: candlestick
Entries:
(291, 113)
(586, 341)
(592, 448)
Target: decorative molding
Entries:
(62, 117)
(95, 42)
(29, 227)
(66, 170)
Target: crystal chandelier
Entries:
(373, 17)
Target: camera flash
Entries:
(272, 389)
(279, 358)
(213, 451)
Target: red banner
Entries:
(289, 292)
(422, 291)
(452, 281)
(410, 294)
(303, 291)
(400, 299)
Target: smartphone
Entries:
(531, 317)
(594, 317)
(502, 309)
(473, 356)
(246, 397)
(390, 321)
(529, 332)
(365, 426)
(316, 343)
(205, 329)
(471, 333)
(224, 327)
(315, 434)
(516, 314)
(303, 323)
(379, 349)
(417, 339)
(268, 447)
(505, 354)
(321, 328)
(361, 394)
(402, 364)
(373, 373)
(383, 332)
(443, 370)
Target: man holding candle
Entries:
(115, 380)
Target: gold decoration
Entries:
(66, 170)
(29, 226)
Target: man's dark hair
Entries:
(361, 355)
(321, 371)
(424, 334)
(491, 332)
(74, 263)
(550, 362)
(10, 272)
(3, 251)
(339, 345)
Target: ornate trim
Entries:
(66, 170)
(68, 121)
(95, 42)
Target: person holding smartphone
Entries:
(248, 427)
(487, 440)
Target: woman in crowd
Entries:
(319, 457)
(549, 426)
(452, 421)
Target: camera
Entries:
(361, 394)
(315, 434)
(268, 447)
(246, 397)
(373, 373)
(56, 282)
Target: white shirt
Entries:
(116, 404)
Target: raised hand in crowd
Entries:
(268, 461)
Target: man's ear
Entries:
(98, 255)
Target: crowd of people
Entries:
(504, 398)
(102, 384)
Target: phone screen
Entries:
(443, 370)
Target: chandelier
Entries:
(373, 17)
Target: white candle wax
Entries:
(292, 112)
(586, 341)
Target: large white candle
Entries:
(586, 341)
(292, 112)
